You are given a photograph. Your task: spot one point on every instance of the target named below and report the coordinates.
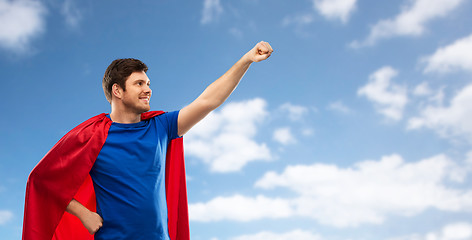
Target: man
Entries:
(125, 157)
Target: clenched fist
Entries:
(92, 222)
(260, 52)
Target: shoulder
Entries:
(160, 115)
(151, 114)
(100, 118)
(91, 125)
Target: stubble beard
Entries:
(137, 107)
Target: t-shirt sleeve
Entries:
(170, 118)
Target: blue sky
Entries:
(357, 128)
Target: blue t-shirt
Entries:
(129, 179)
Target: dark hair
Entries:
(118, 71)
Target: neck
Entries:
(120, 115)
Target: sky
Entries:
(356, 128)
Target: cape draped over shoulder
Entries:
(63, 175)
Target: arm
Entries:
(217, 92)
(91, 220)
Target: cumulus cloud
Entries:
(71, 13)
(422, 89)
(411, 21)
(239, 208)
(453, 231)
(5, 216)
(295, 112)
(365, 193)
(20, 22)
(284, 136)
(457, 56)
(388, 98)
(427, 96)
(212, 9)
(453, 121)
(339, 106)
(371, 190)
(307, 132)
(236, 32)
(335, 9)
(299, 20)
(225, 139)
(295, 234)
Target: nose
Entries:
(148, 90)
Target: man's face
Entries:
(138, 94)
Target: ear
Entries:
(117, 91)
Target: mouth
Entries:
(145, 99)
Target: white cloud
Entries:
(457, 56)
(299, 20)
(438, 97)
(388, 98)
(71, 13)
(295, 234)
(295, 112)
(335, 9)
(422, 89)
(457, 231)
(284, 136)
(308, 132)
(454, 231)
(339, 106)
(5, 216)
(212, 9)
(469, 161)
(239, 208)
(236, 32)
(225, 138)
(425, 95)
(449, 121)
(370, 191)
(20, 22)
(366, 193)
(411, 21)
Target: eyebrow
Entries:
(142, 80)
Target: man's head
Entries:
(117, 73)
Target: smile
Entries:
(145, 99)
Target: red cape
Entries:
(63, 174)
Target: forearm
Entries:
(217, 92)
(91, 220)
(213, 96)
(77, 209)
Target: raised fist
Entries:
(260, 52)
